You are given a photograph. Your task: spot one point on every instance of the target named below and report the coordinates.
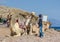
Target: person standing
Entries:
(9, 20)
(40, 25)
(27, 24)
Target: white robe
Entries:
(27, 21)
(17, 29)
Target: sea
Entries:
(56, 28)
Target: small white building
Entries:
(45, 18)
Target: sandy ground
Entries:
(49, 36)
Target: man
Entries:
(9, 20)
(27, 24)
(40, 25)
(15, 30)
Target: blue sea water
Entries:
(56, 28)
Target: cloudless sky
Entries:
(46, 7)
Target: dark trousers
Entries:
(41, 32)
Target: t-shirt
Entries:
(40, 22)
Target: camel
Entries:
(34, 30)
(46, 25)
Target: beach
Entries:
(49, 36)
